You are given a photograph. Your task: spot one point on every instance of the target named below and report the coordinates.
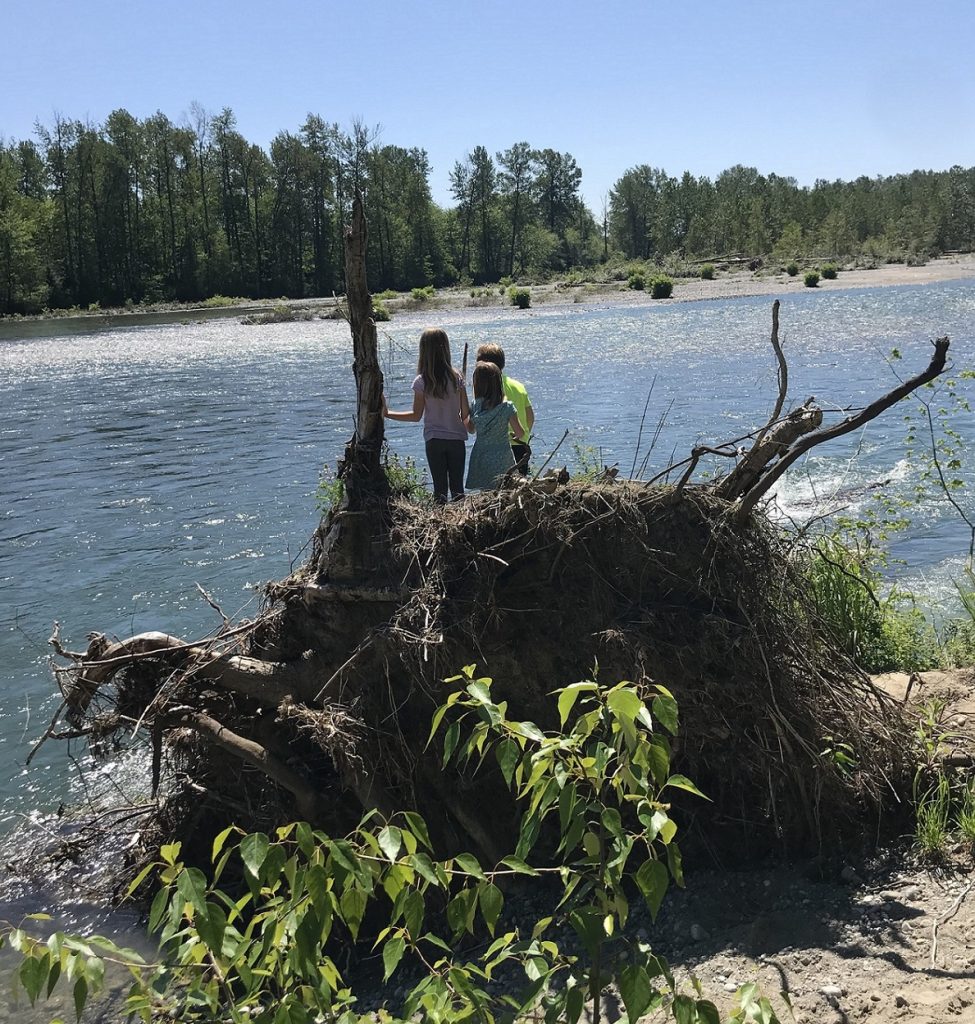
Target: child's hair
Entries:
(487, 384)
(439, 377)
(491, 354)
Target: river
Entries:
(137, 461)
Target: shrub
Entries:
(636, 281)
(310, 896)
(379, 312)
(707, 272)
(829, 271)
(506, 282)
(520, 297)
(811, 279)
(423, 294)
(218, 301)
(792, 269)
(387, 293)
(661, 288)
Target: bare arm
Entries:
(530, 416)
(419, 403)
(514, 425)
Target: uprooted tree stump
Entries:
(320, 708)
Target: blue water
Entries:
(136, 462)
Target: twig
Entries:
(551, 456)
(639, 436)
(946, 916)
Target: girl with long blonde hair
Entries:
(440, 400)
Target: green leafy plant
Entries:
(792, 269)
(811, 279)
(379, 312)
(966, 813)
(707, 272)
(661, 287)
(829, 271)
(636, 281)
(932, 808)
(386, 294)
(601, 786)
(329, 492)
(219, 301)
(520, 297)
(423, 294)
(879, 633)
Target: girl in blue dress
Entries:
(490, 419)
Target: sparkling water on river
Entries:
(138, 461)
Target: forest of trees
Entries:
(134, 211)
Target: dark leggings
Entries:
(446, 460)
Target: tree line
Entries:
(133, 211)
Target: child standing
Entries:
(440, 400)
(491, 419)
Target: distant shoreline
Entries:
(725, 285)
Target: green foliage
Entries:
(879, 634)
(661, 287)
(520, 297)
(219, 302)
(329, 492)
(707, 272)
(933, 810)
(792, 269)
(386, 294)
(966, 813)
(587, 461)
(402, 474)
(379, 312)
(811, 279)
(602, 785)
(829, 271)
(404, 477)
(505, 282)
(636, 281)
(424, 294)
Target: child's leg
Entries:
(456, 457)
(437, 461)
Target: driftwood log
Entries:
(320, 707)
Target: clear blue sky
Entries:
(817, 89)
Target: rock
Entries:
(698, 934)
(832, 991)
(900, 1000)
(875, 997)
(730, 986)
(849, 874)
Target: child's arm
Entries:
(514, 424)
(465, 412)
(419, 403)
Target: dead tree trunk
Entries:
(355, 546)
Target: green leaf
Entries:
(392, 954)
(390, 841)
(519, 866)
(636, 991)
(450, 741)
(480, 691)
(139, 879)
(414, 907)
(507, 754)
(33, 975)
(418, 827)
(253, 851)
(211, 927)
(682, 782)
(675, 864)
(468, 863)
(665, 709)
(653, 878)
(625, 703)
(684, 1010)
(191, 885)
(352, 907)
(568, 696)
(219, 841)
(80, 994)
(491, 900)
(422, 864)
